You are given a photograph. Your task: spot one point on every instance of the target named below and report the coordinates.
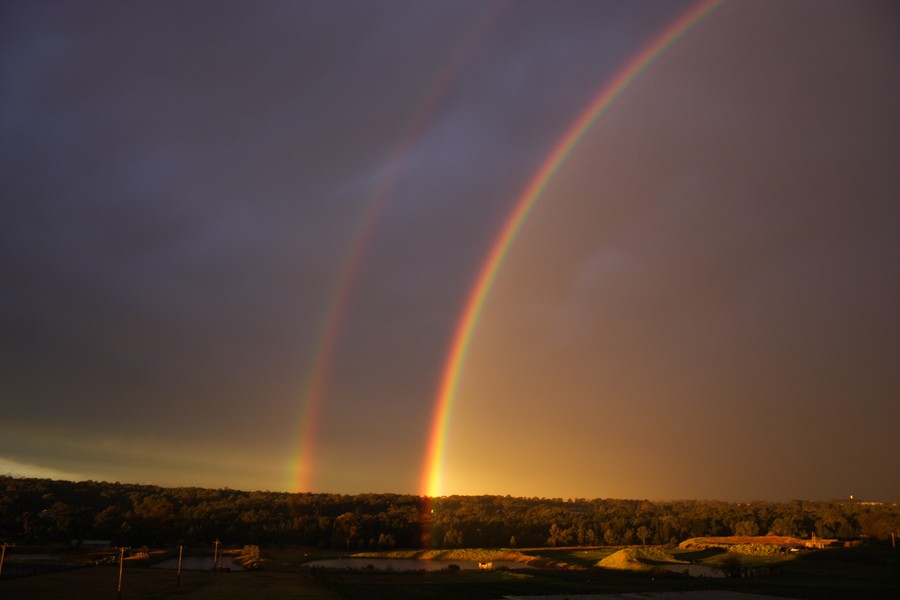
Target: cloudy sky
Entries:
(237, 238)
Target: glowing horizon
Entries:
(431, 482)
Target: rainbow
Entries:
(431, 483)
(328, 335)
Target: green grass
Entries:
(873, 573)
(468, 554)
(576, 557)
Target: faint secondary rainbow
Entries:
(431, 484)
(313, 397)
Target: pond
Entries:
(198, 563)
(29, 557)
(407, 564)
(695, 570)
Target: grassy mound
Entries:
(728, 541)
(638, 559)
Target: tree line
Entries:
(43, 511)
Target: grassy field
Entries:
(147, 584)
(870, 573)
(826, 575)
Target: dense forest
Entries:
(42, 511)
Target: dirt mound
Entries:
(733, 540)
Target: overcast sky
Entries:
(703, 303)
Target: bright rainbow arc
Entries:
(431, 484)
(301, 471)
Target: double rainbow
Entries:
(431, 482)
(301, 471)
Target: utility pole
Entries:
(3, 555)
(122, 550)
(216, 557)
(178, 580)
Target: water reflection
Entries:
(408, 564)
(695, 570)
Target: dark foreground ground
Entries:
(865, 573)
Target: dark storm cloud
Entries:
(720, 279)
(182, 182)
